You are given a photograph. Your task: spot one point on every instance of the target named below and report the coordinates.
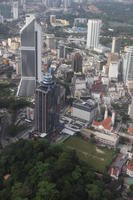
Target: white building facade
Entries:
(114, 70)
(84, 110)
(128, 65)
(15, 10)
(94, 26)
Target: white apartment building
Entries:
(94, 26)
(15, 10)
(128, 65)
(114, 70)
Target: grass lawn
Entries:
(97, 157)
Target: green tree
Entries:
(47, 191)
(93, 191)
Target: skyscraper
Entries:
(66, 4)
(46, 110)
(51, 41)
(77, 62)
(94, 26)
(116, 44)
(128, 65)
(30, 57)
(61, 51)
(6, 10)
(15, 10)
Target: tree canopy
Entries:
(36, 170)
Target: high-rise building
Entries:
(48, 3)
(52, 19)
(61, 51)
(114, 70)
(1, 19)
(6, 10)
(52, 4)
(116, 44)
(128, 65)
(56, 3)
(46, 106)
(51, 41)
(94, 26)
(77, 62)
(15, 10)
(22, 4)
(66, 4)
(30, 57)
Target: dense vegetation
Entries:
(39, 171)
(8, 99)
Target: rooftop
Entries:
(47, 79)
(130, 165)
(106, 123)
(87, 105)
(130, 130)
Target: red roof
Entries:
(130, 165)
(130, 130)
(115, 171)
(106, 123)
(6, 176)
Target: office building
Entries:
(84, 110)
(51, 41)
(66, 4)
(15, 10)
(6, 10)
(79, 21)
(61, 51)
(56, 3)
(52, 4)
(1, 19)
(94, 26)
(46, 106)
(30, 57)
(77, 62)
(52, 19)
(114, 70)
(48, 3)
(128, 65)
(116, 45)
(80, 89)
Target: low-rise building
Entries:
(85, 110)
(110, 140)
(130, 168)
(117, 166)
(105, 125)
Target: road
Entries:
(125, 135)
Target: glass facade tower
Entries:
(46, 108)
(30, 57)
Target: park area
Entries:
(97, 157)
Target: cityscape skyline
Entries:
(66, 100)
